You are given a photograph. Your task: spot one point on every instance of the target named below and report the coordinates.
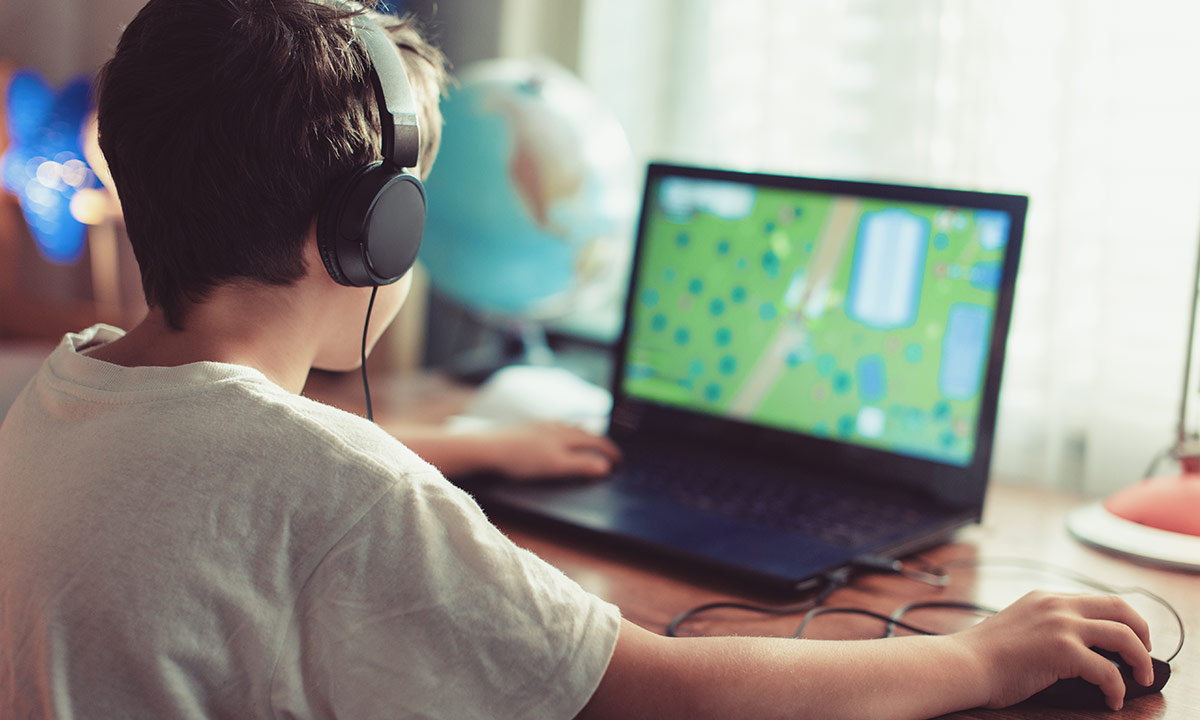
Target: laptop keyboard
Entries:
(809, 507)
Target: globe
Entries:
(531, 199)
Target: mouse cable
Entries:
(1068, 574)
(939, 604)
(892, 621)
(363, 355)
(838, 579)
(825, 585)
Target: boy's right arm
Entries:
(996, 663)
(527, 451)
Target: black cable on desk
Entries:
(891, 621)
(829, 583)
(903, 610)
(825, 586)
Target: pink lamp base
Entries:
(1155, 521)
(1168, 503)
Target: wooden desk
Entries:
(1025, 524)
(1019, 524)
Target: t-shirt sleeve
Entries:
(425, 610)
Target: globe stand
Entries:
(536, 347)
(494, 343)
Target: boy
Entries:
(185, 536)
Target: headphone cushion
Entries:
(370, 231)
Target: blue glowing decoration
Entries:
(44, 165)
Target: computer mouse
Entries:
(1077, 693)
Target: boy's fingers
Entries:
(584, 440)
(1097, 670)
(587, 463)
(1119, 638)
(1111, 607)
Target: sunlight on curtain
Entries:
(1091, 107)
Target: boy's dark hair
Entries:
(226, 122)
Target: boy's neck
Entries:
(234, 325)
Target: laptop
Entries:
(808, 373)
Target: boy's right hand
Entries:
(1046, 637)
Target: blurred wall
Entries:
(472, 30)
(65, 38)
(62, 38)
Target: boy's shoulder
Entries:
(302, 424)
(228, 419)
(251, 415)
(196, 447)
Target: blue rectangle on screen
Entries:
(993, 228)
(964, 349)
(889, 265)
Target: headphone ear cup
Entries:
(393, 224)
(327, 223)
(371, 231)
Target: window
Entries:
(1091, 107)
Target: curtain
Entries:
(1090, 107)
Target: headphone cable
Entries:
(363, 365)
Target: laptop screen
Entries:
(861, 313)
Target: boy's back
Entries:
(165, 527)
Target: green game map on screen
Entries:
(845, 317)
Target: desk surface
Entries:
(1019, 524)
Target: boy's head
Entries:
(225, 123)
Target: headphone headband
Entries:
(397, 108)
(369, 226)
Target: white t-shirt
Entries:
(196, 542)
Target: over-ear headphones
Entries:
(369, 227)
